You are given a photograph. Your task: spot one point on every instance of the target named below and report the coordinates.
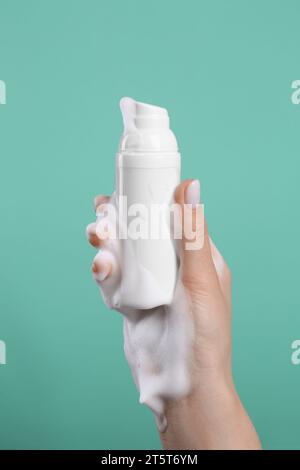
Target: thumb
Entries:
(197, 267)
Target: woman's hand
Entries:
(211, 415)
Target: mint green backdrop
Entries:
(224, 71)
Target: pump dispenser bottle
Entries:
(147, 173)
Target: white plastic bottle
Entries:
(147, 172)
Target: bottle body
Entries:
(145, 184)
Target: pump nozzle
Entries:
(145, 123)
(137, 115)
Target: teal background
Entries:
(224, 71)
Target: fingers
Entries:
(101, 199)
(102, 266)
(197, 265)
(92, 235)
(97, 236)
(106, 273)
(91, 230)
(106, 266)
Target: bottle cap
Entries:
(146, 128)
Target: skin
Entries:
(212, 415)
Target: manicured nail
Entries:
(90, 230)
(100, 272)
(192, 193)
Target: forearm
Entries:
(210, 419)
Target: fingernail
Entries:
(95, 268)
(192, 193)
(100, 272)
(90, 230)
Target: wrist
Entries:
(211, 393)
(211, 417)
